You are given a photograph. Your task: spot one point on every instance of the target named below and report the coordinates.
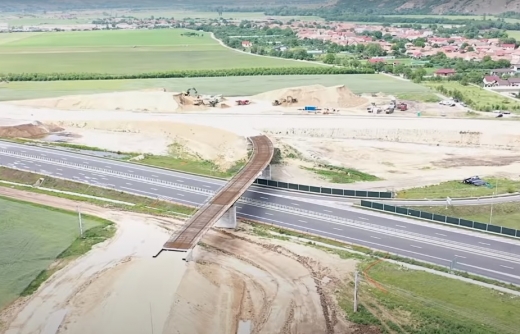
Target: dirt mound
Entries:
(130, 101)
(318, 95)
(27, 130)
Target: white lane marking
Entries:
(42, 154)
(181, 181)
(58, 173)
(327, 210)
(441, 234)
(85, 162)
(375, 237)
(483, 243)
(507, 267)
(337, 228)
(415, 246)
(263, 197)
(239, 207)
(462, 257)
(108, 167)
(180, 195)
(155, 195)
(59, 169)
(207, 186)
(302, 221)
(491, 271)
(38, 165)
(363, 218)
(295, 204)
(401, 226)
(81, 174)
(153, 188)
(267, 213)
(129, 183)
(154, 175)
(130, 171)
(62, 158)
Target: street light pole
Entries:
(494, 193)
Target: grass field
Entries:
(229, 86)
(483, 98)
(123, 51)
(438, 304)
(504, 214)
(456, 189)
(31, 238)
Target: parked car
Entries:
(475, 181)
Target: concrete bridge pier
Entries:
(266, 173)
(229, 219)
(188, 257)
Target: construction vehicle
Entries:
(402, 106)
(373, 109)
(288, 100)
(190, 92)
(243, 102)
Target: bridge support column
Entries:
(266, 173)
(229, 219)
(189, 256)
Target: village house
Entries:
(247, 44)
(444, 72)
(502, 72)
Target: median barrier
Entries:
(323, 190)
(442, 219)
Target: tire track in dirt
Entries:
(318, 273)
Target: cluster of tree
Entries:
(460, 65)
(187, 74)
(459, 95)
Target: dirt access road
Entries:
(237, 278)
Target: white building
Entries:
(4, 26)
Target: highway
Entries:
(490, 256)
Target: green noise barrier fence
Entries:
(442, 219)
(322, 190)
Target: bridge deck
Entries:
(209, 213)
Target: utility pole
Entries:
(495, 193)
(80, 223)
(356, 284)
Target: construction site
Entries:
(278, 285)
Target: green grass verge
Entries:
(337, 174)
(186, 163)
(415, 301)
(125, 52)
(33, 236)
(482, 99)
(456, 189)
(504, 214)
(142, 204)
(419, 97)
(228, 86)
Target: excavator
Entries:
(190, 92)
(288, 100)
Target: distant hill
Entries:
(429, 6)
(58, 5)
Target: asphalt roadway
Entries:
(486, 255)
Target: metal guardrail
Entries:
(442, 219)
(324, 190)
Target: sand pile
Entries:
(186, 140)
(317, 95)
(154, 101)
(29, 129)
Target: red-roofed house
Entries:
(491, 80)
(376, 60)
(508, 46)
(246, 44)
(444, 72)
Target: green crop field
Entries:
(31, 237)
(228, 86)
(123, 51)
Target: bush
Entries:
(188, 73)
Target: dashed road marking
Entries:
(415, 246)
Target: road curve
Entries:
(487, 255)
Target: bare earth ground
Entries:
(402, 149)
(279, 286)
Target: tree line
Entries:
(318, 70)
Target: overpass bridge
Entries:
(221, 207)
